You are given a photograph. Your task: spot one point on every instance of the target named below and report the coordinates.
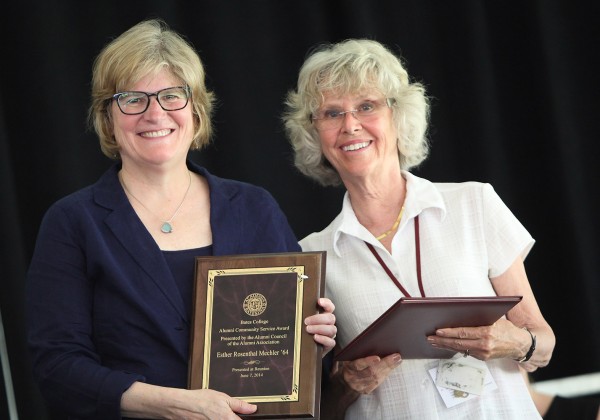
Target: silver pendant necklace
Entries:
(166, 226)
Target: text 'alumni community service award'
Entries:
(248, 338)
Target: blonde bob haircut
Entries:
(146, 49)
(354, 66)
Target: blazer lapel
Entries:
(135, 238)
(225, 219)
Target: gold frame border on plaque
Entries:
(304, 399)
(300, 277)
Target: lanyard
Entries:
(389, 272)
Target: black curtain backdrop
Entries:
(515, 103)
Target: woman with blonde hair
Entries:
(110, 284)
(356, 119)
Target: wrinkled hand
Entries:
(322, 326)
(499, 340)
(366, 374)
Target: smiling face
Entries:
(361, 146)
(155, 137)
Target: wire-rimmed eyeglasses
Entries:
(332, 118)
(169, 99)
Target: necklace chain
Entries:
(394, 226)
(166, 226)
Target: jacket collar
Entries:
(135, 238)
(421, 196)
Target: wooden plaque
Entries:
(248, 337)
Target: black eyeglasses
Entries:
(169, 99)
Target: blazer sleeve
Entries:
(249, 221)
(59, 310)
(273, 229)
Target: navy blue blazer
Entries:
(103, 308)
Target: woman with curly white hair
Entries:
(356, 119)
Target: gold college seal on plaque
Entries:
(255, 304)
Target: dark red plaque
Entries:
(248, 338)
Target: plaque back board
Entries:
(248, 338)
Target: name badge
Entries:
(464, 374)
(461, 378)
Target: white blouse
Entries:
(467, 236)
